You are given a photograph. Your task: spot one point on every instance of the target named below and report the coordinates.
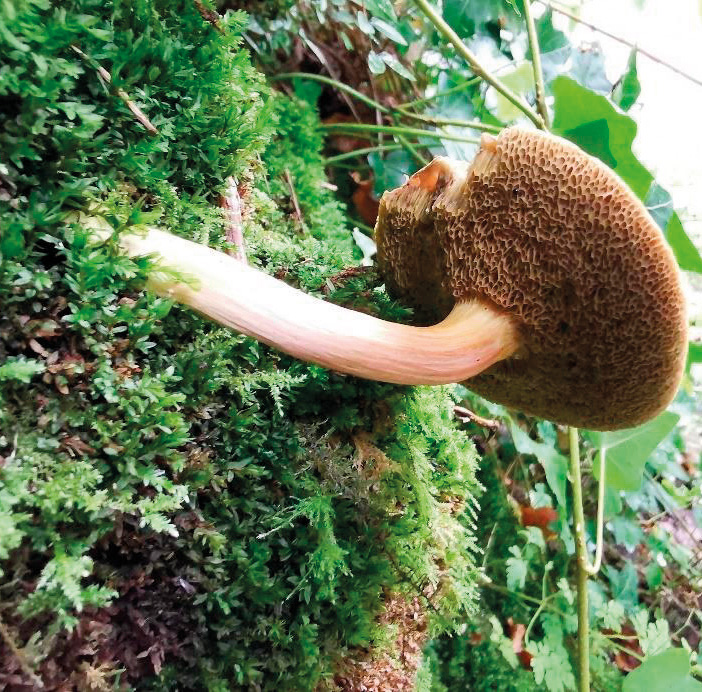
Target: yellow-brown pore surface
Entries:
(554, 238)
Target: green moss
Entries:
(172, 485)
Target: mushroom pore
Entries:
(537, 229)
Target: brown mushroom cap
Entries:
(551, 236)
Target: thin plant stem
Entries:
(619, 39)
(210, 16)
(523, 597)
(337, 85)
(361, 152)
(456, 122)
(399, 112)
(582, 564)
(121, 93)
(421, 160)
(594, 568)
(536, 63)
(397, 130)
(440, 94)
(451, 90)
(450, 35)
(544, 600)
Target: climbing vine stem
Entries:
(582, 564)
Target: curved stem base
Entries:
(471, 339)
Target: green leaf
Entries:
(627, 532)
(694, 354)
(552, 667)
(686, 253)
(575, 106)
(624, 584)
(20, 369)
(628, 88)
(363, 24)
(394, 64)
(389, 30)
(465, 15)
(627, 450)
(390, 171)
(655, 637)
(654, 576)
(521, 81)
(550, 39)
(375, 63)
(664, 672)
(554, 463)
(381, 8)
(516, 569)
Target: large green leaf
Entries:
(666, 672)
(592, 122)
(575, 106)
(627, 450)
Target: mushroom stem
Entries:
(473, 337)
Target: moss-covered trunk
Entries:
(180, 506)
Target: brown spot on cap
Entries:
(550, 235)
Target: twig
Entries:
(452, 90)
(581, 552)
(298, 211)
(136, 111)
(334, 83)
(421, 160)
(19, 656)
(440, 94)
(361, 152)
(390, 129)
(464, 414)
(231, 203)
(378, 113)
(536, 63)
(604, 32)
(448, 33)
(210, 16)
(456, 122)
(397, 112)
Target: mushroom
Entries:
(550, 287)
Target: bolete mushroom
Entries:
(552, 289)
